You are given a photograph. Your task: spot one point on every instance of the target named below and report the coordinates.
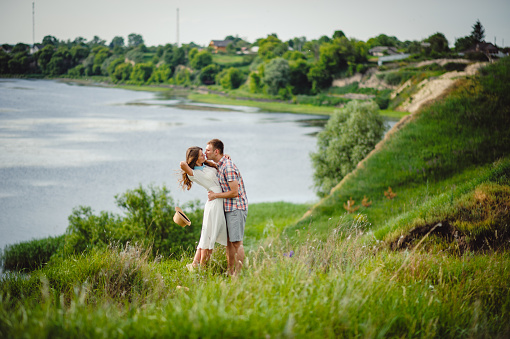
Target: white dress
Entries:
(214, 227)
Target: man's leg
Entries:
(235, 230)
(231, 260)
(238, 256)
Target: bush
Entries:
(321, 100)
(122, 72)
(141, 73)
(382, 99)
(348, 137)
(30, 255)
(208, 74)
(276, 75)
(148, 220)
(230, 78)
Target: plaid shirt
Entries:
(227, 171)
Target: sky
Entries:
(201, 21)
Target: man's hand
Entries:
(211, 195)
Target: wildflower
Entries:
(290, 254)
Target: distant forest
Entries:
(268, 66)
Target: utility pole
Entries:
(177, 27)
(33, 24)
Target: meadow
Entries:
(427, 258)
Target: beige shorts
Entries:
(236, 220)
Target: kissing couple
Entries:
(226, 208)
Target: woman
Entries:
(196, 169)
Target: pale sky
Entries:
(204, 20)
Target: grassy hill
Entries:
(432, 261)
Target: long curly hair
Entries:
(192, 154)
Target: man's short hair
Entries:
(216, 144)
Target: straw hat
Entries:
(180, 218)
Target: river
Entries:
(64, 145)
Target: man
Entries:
(235, 203)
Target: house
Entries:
(36, 48)
(220, 45)
(6, 48)
(382, 51)
(484, 47)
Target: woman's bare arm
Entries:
(185, 167)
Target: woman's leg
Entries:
(204, 256)
(198, 257)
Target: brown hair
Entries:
(216, 144)
(192, 154)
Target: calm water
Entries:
(64, 145)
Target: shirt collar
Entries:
(199, 167)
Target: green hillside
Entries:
(427, 258)
(441, 152)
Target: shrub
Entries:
(350, 134)
(208, 74)
(230, 78)
(254, 82)
(122, 72)
(30, 255)
(141, 73)
(148, 220)
(276, 75)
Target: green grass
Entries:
(227, 60)
(265, 106)
(279, 106)
(335, 288)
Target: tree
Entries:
(276, 75)
(97, 41)
(79, 41)
(141, 72)
(478, 33)
(384, 40)
(313, 48)
(19, 63)
(464, 43)
(350, 134)
(160, 74)
(117, 41)
(135, 40)
(298, 76)
(297, 43)
(4, 62)
(438, 44)
(338, 34)
(208, 74)
(320, 77)
(44, 57)
(122, 72)
(271, 47)
(230, 78)
(20, 48)
(79, 53)
(201, 59)
(254, 82)
(50, 40)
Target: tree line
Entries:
(279, 68)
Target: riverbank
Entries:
(201, 95)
